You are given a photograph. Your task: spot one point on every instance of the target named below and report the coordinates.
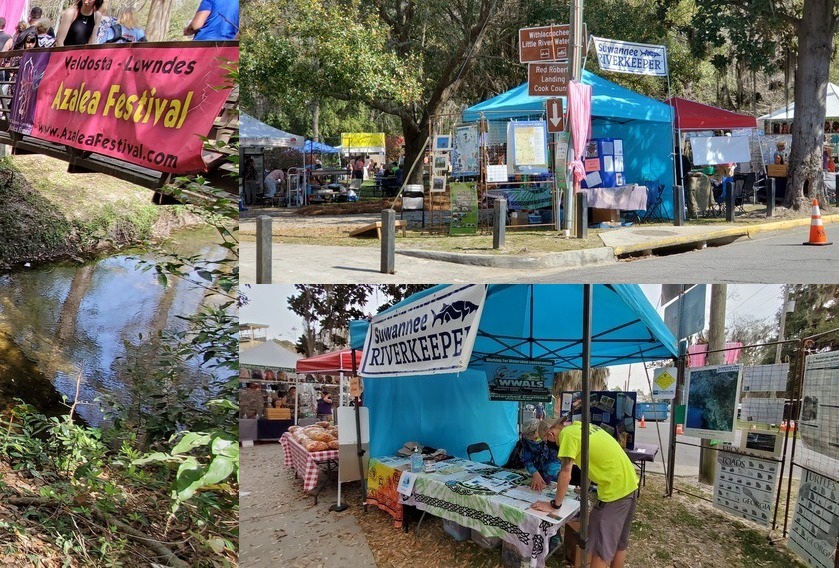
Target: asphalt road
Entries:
(777, 257)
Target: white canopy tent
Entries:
(254, 138)
(788, 112)
(256, 133)
(270, 355)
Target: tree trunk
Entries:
(415, 136)
(815, 36)
(316, 120)
(157, 26)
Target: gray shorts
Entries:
(609, 526)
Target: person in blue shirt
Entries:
(215, 20)
(538, 457)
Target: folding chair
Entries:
(478, 448)
(355, 185)
(655, 202)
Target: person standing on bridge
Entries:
(6, 40)
(215, 20)
(78, 23)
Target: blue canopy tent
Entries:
(644, 124)
(314, 147)
(524, 321)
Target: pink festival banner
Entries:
(143, 103)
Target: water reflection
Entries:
(64, 321)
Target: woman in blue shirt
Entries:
(539, 458)
(215, 20)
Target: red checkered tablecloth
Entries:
(304, 463)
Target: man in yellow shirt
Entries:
(614, 474)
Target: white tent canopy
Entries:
(270, 355)
(256, 133)
(788, 112)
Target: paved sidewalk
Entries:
(339, 264)
(281, 526)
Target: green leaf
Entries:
(189, 441)
(219, 469)
(189, 479)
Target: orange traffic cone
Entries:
(679, 429)
(643, 422)
(783, 427)
(817, 235)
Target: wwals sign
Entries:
(547, 79)
(432, 335)
(142, 103)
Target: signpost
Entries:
(547, 79)
(554, 111)
(546, 43)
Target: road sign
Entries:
(664, 383)
(553, 109)
(547, 79)
(546, 43)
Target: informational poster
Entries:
(818, 424)
(496, 173)
(431, 335)
(466, 151)
(664, 383)
(745, 486)
(712, 395)
(815, 525)
(715, 150)
(765, 378)
(527, 147)
(524, 380)
(464, 202)
(613, 411)
(762, 410)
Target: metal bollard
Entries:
(770, 197)
(388, 242)
(729, 202)
(499, 223)
(264, 249)
(678, 206)
(581, 216)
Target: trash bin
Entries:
(412, 197)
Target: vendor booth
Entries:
(697, 125)
(337, 364)
(636, 131)
(415, 396)
(255, 137)
(265, 357)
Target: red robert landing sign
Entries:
(141, 103)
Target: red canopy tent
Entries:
(691, 115)
(335, 362)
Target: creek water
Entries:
(63, 321)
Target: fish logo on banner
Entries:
(430, 336)
(628, 57)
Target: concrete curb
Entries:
(733, 233)
(566, 259)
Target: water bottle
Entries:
(416, 461)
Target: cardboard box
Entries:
(777, 170)
(604, 215)
(519, 218)
(573, 553)
(278, 413)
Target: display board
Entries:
(765, 378)
(712, 395)
(604, 163)
(762, 410)
(818, 423)
(527, 145)
(523, 380)
(348, 442)
(614, 411)
(464, 203)
(714, 150)
(466, 151)
(745, 486)
(815, 525)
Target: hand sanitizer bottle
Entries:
(416, 461)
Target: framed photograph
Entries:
(441, 162)
(442, 142)
(712, 395)
(438, 184)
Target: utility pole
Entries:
(783, 323)
(575, 72)
(716, 341)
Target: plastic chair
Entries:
(478, 448)
(655, 202)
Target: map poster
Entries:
(712, 394)
(815, 525)
(464, 199)
(527, 147)
(745, 486)
(817, 423)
